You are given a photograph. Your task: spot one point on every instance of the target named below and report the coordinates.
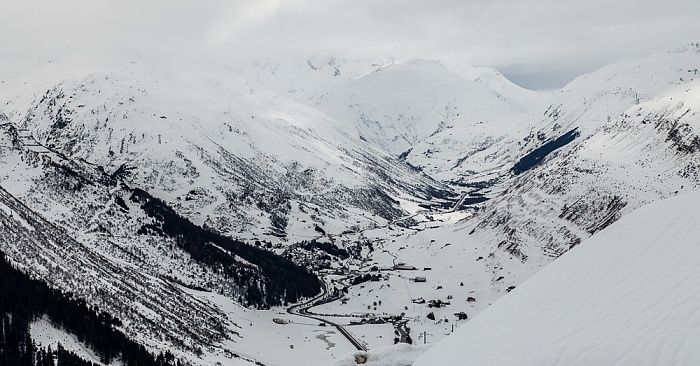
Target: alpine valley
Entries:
(289, 212)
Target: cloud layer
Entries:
(539, 43)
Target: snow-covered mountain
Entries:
(398, 106)
(146, 175)
(626, 296)
(300, 78)
(497, 82)
(584, 105)
(394, 106)
(83, 232)
(568, 173)
(548, 195)
(243, 162)
(645, 153)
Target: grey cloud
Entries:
(524, 38)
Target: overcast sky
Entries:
(537, 43)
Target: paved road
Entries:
(459, 202)
(302, 310)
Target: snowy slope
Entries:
(152, 308)
(399, 105)
(626, 296)
(244, 162)
(92, 247)
(299, 79)
(585, 104)
(646, 154)
(494, 80)
(46, 334)
(393, 105)
(628, 149)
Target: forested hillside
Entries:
(25, 300)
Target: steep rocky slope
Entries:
(647, 153)
(84, 232)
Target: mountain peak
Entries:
(421, 63)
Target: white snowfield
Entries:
(629, 295)
(401, 354)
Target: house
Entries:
(280, 321)
(403, 267)
(418, 279)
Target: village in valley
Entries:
(387, 291)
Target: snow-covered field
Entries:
(398, 355)
(300, 342)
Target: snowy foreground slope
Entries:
(626, 296)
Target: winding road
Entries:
(302, 310)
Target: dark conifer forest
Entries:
(24, 300)
(275, 281)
